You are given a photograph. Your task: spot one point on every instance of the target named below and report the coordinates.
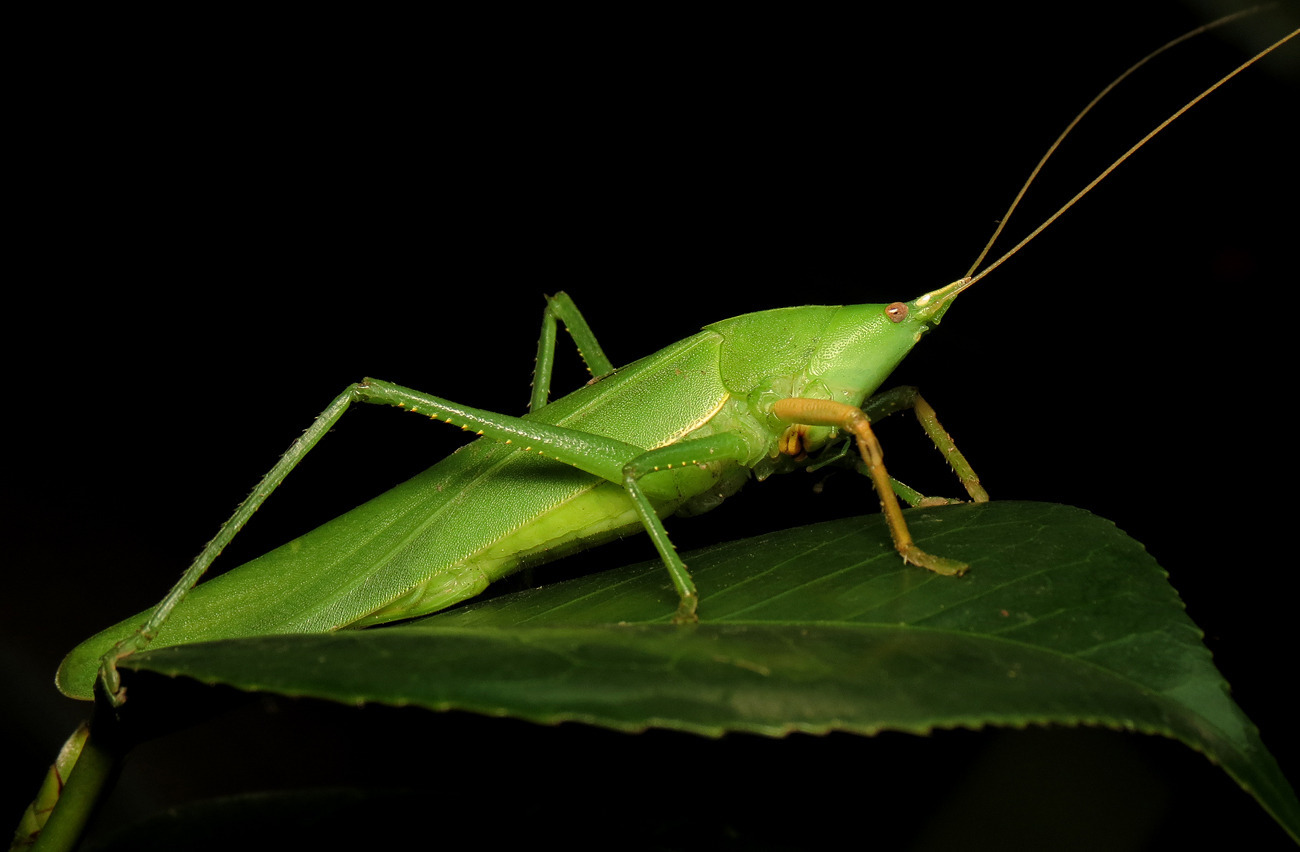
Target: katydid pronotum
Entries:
(438, 350)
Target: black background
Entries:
(225, 224)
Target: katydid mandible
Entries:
(748, 396)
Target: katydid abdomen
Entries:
(431, 542)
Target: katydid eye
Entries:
(897, 312)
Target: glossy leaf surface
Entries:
(1062, 619)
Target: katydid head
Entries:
(864, 343)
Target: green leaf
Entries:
(1062, 619)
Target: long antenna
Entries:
(971, 278)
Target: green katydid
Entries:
(728, 408)
(756, 394)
